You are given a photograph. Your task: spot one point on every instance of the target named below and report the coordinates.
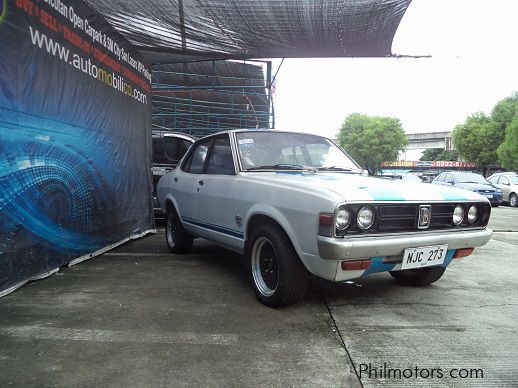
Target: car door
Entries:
(186, 181)
(505, 186)
(217, 195)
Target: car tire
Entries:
(513, 200)
(177, 239)
(418, 277)
(278, 276)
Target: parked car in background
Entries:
(403, 177)
(296, 204)
(508, 183)
(470, 181)
(168, 148)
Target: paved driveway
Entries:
(139, 316)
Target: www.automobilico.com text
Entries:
(55, 18)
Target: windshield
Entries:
(466, 177)
(287, 151)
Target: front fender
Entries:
(277, 216)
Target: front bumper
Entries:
(393, 245)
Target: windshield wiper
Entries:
(333, 168)
(279, 166)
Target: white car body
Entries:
(221, 208)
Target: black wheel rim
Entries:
(171, 230)
(265, 266)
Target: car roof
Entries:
(244, 130)
(181, 135)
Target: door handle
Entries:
(201, 182)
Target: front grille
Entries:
(404, 217)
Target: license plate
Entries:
(489, 195)
(424, 256)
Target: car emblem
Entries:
(425, 213)
(239, 221)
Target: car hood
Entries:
(475, 186)
(353, 187)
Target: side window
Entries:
(440, 178)
(503, 180)
(493, 179)
(449, 178)
(220, 159)
(194, 164)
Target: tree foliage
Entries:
(478, 139)
(372, 139)
(508, 150)
(505, 110)
(439, 154)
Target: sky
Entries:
(473, 64)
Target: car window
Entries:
(198, 156)
(220, 159)
(169, 150)
(469, 177)
(503, 180)
(272, 149)
(493, 179)
(449, 178)
(440, 178)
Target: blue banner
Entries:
(75, 137)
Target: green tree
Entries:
(448, 155)
(478, 139)
(505, 110)
(431, 154)
(439, 154)
(508, 150)
(372, 139)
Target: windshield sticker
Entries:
(246, 141)
(245, 146)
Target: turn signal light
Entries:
(326, 219)
(463, 253)
(356, 265)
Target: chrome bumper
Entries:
(371, 246)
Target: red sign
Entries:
(434, 163)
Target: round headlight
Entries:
(472, 214)
(365, 218)
(343, 219)
(458, 215)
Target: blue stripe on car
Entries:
(377, 265)
(383, 194)
(217, 228)
(449, 257)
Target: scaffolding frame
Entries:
(207, 96)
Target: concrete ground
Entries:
(139, 316)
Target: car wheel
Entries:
(418, 277)
(513, 200)
(278, 276)
(178, 240)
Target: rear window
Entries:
(169, 150)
